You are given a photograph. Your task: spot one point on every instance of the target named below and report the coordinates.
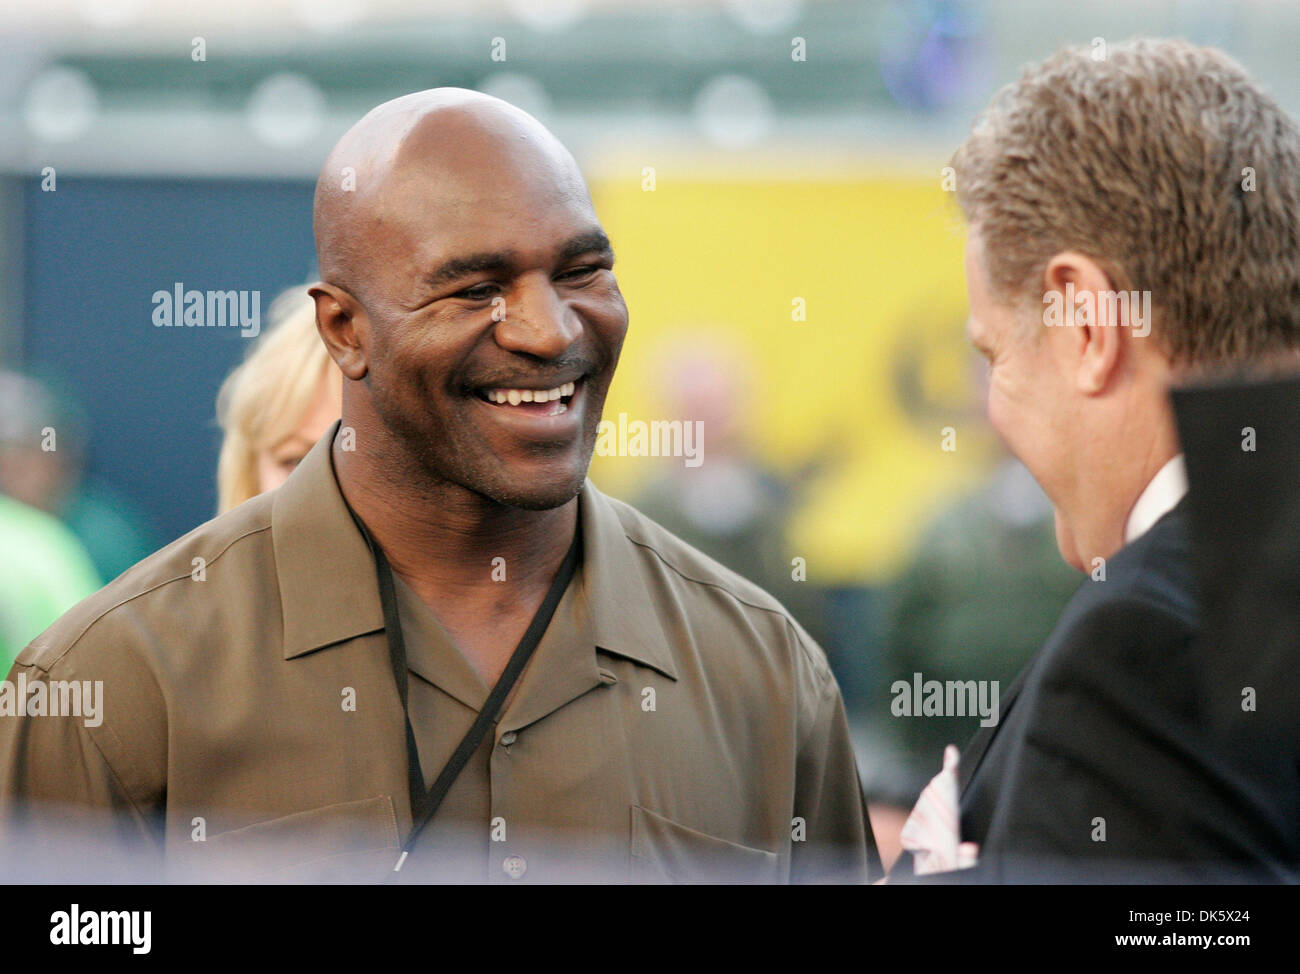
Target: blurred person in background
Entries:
(44, 571)
(732, 506)
(43, 454)
(277, 403)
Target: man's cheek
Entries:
(1007, 420)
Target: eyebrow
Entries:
(592, 241)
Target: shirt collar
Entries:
(623, 607)
(328, 590)
(1160, 497)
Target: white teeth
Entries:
(516, 396)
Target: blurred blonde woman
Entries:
(277, 404)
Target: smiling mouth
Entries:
(539, 402)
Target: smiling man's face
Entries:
(489, 283)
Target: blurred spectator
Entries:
(43, 450)
(731, 506)
(277, 403)
(43, 572)
(984, 589)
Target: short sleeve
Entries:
(832, 835)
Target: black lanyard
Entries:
(424, 804)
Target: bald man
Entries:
(438, 652)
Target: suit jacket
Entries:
(1242, 445)
(1100, 767)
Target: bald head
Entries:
(463, 269)
(443, 146)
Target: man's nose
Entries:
(535, 321)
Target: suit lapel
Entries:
(905, 866)
(979, 744)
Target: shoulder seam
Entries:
(780, 612)
(701, 581)
(131, 598)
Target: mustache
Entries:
(545, 376)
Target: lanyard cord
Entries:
(424, 804)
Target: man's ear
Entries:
(1096, 342)
(344, 328)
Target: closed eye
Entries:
(478, 292)
(578, 273)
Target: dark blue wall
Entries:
(96, 250)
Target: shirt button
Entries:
(508, 738)
(515, 867)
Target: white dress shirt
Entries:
(1160, 497)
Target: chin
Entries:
(531, 494)
(539, 501)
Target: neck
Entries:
(1133, 460)
(444, 539)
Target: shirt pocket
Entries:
(348, 842)
(664, 851)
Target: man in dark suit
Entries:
(1133, 220)
(1102, 767)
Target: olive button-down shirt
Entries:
(674, 723)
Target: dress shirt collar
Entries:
(328, 591)
(1160, 497)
